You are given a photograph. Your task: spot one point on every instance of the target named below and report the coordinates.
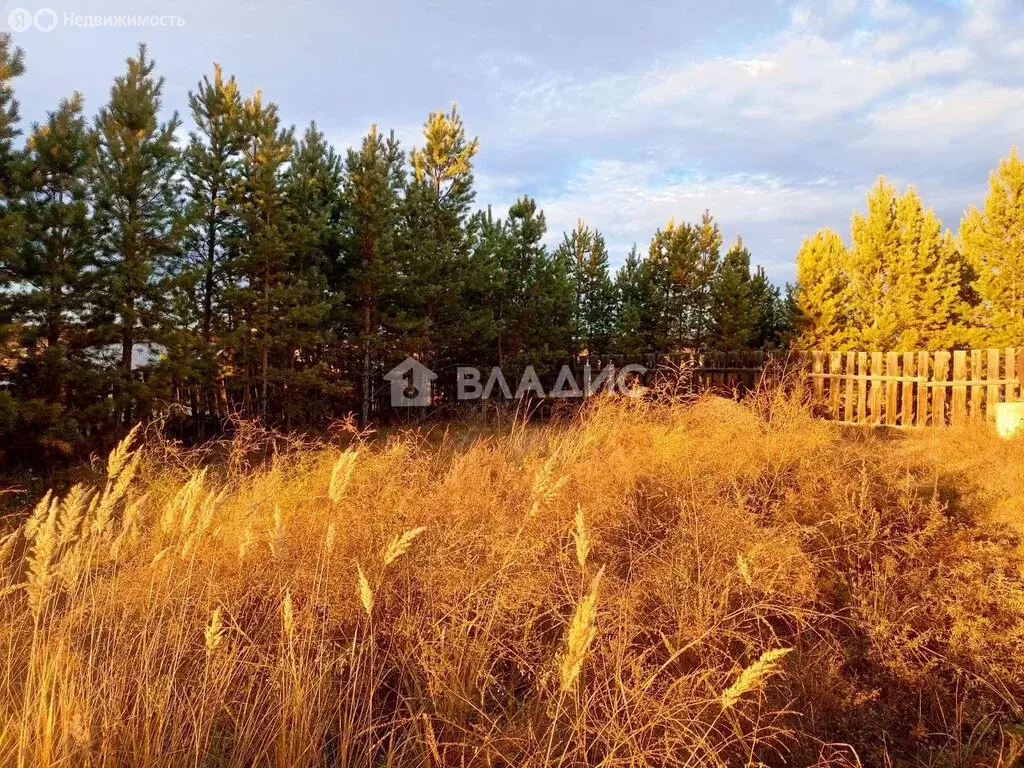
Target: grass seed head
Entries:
(400, 544)
(582, 632)
(365, 593)
(753, 677)
(341, 475)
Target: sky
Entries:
(776, 116)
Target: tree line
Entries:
(247, 269)
(905, 283)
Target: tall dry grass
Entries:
(649, 585)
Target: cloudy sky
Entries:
(775, 115)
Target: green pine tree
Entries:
(639, 314)
(138, 214)
(210, 166)
(260, 252)
(52, 271)
(685, 259)
(773, 321)
(735, 315)
(313, 194)
(584, 257)
(12, 66)
(451, 282)
(371, 274)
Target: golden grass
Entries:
(702, 584)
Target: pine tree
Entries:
(514, 250)
(735, 315)
(821, 299)
(638, 314)
(685, 259)
(993, 243)
(584, 257)
(451, 281)
(210, 166)
(139, 222)
(540, 291)
(52, 272)
(773, 323)
(11, 234)
(371, 274)
(260, 251)
(905, 275)
(313, 193)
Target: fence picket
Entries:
(849, 414)
(835, 368)
(977, 391)
(959, 404)
(862, 388)
(892, 368)
(875, 389)
(818, 368)
(923, 391)
(1010, 387)
(907, 395)
(940, 378)
(992, 375)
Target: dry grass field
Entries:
(697, 584)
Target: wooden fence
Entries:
(903, 389)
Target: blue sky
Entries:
(777, 116)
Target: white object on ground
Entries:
(1009, 419)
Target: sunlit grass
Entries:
(692, 584)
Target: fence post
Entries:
(862, 387)
(892, 388)
(875, 391)
(907, 394)
(992, 393)
(849, 414)
(977, 390)
(1010, 387)
(835, 367)
(959, 407)
(923, 390)
(939, 397)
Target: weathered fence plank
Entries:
(958, 408)
(892, 368)
(992, 374)
(907, 395)
(977, 391)
(835, 367)
(923, 391)
(941, 375)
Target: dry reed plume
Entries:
(708, 584)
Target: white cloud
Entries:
(811, 114)
(625, 198)
(936, 119)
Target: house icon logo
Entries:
(410, 383)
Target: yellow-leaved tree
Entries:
(900, 286)
(822, 292)
(993, 244)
